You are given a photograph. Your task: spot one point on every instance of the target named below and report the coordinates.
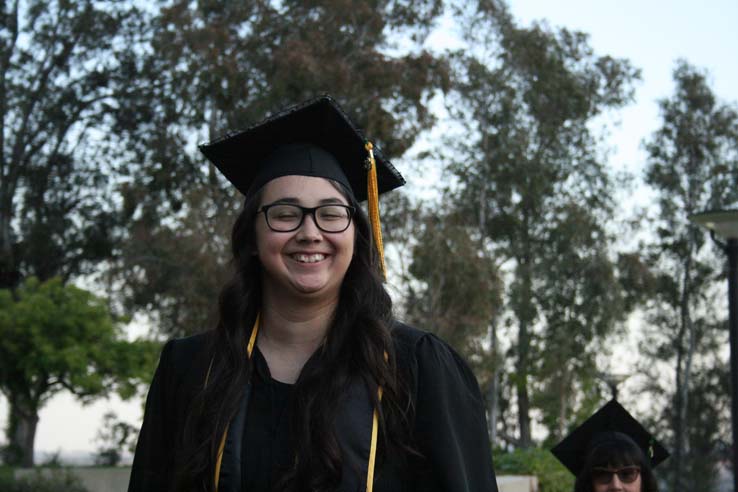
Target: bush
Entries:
(552, 475)
(114, 438)
(6, 473)
(55, 481)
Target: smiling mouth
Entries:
(313, 258)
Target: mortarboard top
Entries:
(610, 423)
(315, 138)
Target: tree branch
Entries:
(4, 66)
(41, 87)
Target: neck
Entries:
(291, 332)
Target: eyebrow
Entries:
(296, 201)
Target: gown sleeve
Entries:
(152, 462)
(450, 422)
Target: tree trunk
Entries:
(21, 435)
(492, 389)
(564, 396)
(523, 363)
(525, 318)
(523, 407)
(683, 373)
(8, 270)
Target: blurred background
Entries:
(554, 152)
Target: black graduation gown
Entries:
(449, 426)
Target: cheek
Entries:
(266, 244)
(350, 243)
(600, 487)
(635, 486)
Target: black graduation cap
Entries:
(315, 138)
(610, 423)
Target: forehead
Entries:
(305, 189)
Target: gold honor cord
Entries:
(373, 202)
(221, 447)
(373, 445)
(375, 425)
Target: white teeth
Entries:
(308, 258)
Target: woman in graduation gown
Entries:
(308, 383)
(611, 452)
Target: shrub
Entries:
(54, 481)
(552, 475)
(6, 473)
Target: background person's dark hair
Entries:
(616, 453)
(354, 348)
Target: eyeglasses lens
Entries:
(629, 474)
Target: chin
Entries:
(315, 290)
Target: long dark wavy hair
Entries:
(354, 349)
(616, 453)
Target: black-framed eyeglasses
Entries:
(286, 217)
(626, 474)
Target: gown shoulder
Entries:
(181, 372)
(450, 426)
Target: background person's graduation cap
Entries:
(315, 138)
(610, 423)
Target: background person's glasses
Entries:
(627, 474)
(284, 217)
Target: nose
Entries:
(615, 484)
(308, 230)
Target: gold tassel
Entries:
(373, 202)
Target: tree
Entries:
(459, 289)
(217, 66)
(692, 166)
(452, 288)
(114, 437)
(59, 71)
(62, 65)
(56, 337)
(531, 176)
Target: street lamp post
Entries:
(613, 380)
(724, 223)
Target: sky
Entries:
(651, 34)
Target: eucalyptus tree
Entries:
(532, 176)
(454, 290)
(62, 65)
(692, 166)
(459, 290)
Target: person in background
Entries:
(308, 382)
(611, 452)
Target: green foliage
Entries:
(460, 290)
(552, 475)
(56, 337)
(6, 473)
(114, 437)
(54, 481)
(60, 71)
